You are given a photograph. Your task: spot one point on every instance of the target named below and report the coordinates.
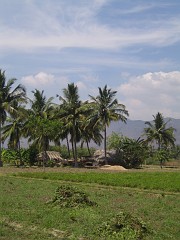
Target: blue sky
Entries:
(133, 46)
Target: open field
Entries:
(25, 215)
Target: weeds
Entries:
(124, 226)
(67, 196)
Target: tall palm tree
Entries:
(7, 97)
(73, 110)
(107, 109)
(158, 132)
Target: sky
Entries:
(132, 46)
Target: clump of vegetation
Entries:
(124, 226)
(131, 152)
(67, 196)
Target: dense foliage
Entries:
(131, 152)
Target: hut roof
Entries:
(52, 155)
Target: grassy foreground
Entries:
(25, 214)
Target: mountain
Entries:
(134, 128)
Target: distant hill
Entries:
(134, 128)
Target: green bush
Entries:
(12, 157)
(131, 152)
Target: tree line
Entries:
(41, 121)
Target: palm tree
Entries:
(14, 129)
(7, 97)
(40, 124)
(107, 109)
(158, 132)
(40, 105)
(90, 133)
(73, 110)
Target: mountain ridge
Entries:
(134, 128)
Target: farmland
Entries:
(25, 212)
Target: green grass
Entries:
(165, 181)
(26, 215)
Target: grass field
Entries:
(25, 215)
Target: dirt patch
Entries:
(116, 168)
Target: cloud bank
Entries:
(147, 94)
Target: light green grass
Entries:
(165, 181)
(25, 214)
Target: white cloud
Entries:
(38, 80)
(81, 86)
(147, 94)
(64, 25)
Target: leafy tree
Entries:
(7, 98)
(107, 109)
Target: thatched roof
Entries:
(51, 155)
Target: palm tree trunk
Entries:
(105, 146)
(75, 151)
(88, 148)
(19, 153)
(159, 148)
(74, 141)
(67, 142)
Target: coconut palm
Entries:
(7, 97)
(14, 128)
(40, 105)
(107, 109)
(158, 132)
(73, 110)
(89, 133)
(40, 125)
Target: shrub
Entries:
(131, 152)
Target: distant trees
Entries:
(41, 122)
